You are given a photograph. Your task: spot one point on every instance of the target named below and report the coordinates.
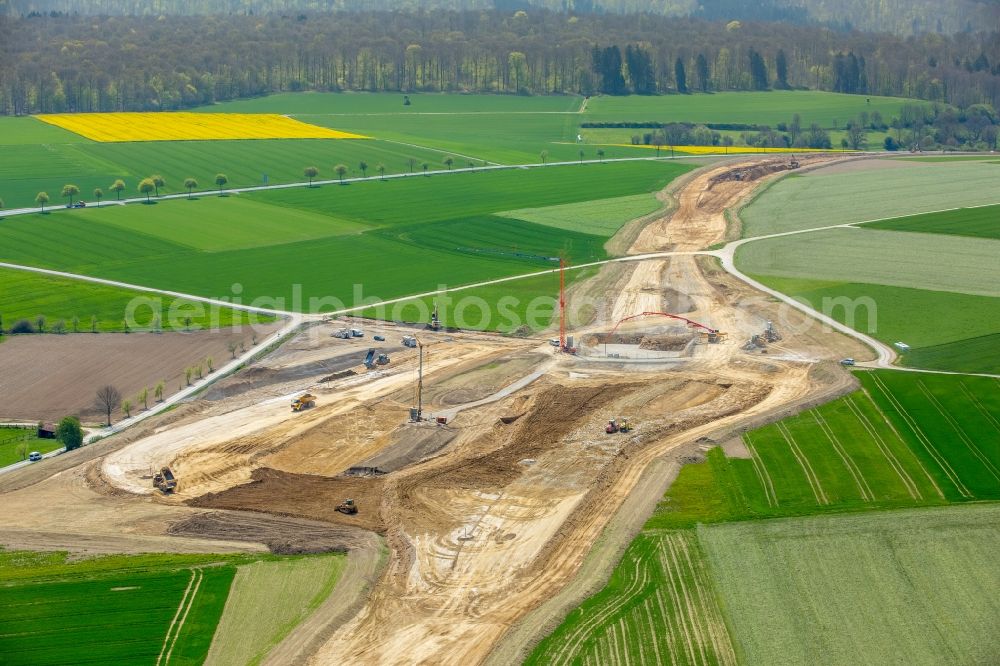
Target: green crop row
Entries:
(907, 439)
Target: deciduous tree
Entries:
(190, 184)
(41, 199)
(70, 433)
(220, 180)
(117, 188)
(70, 191)
(341, 170)
(98, 194)
(146, 186)
(108, 398)
(310, 173)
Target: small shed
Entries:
(46, 430)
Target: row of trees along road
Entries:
(64, 64)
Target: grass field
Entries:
(761, 108)
(909, 587)
(603, 217)
(392, 103)
(659, 608)
(818, 198)
(116, 609)
(431, 231)
(28, 131)
(25, 295)
(511, 138)
(28, 169)
(267, 601)
(905, 440)
(978, 222)
(12, 439)
(917, 261)
(957, 337)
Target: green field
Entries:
(29, 169)
(13, 439)
(918, 261)
(885, 189)
(423, 232)
(25, 295)
(761, 108)
(957, 337)
(906, 439)
(392, 103)
(603, 217)
(709, 582)
(659, 607)
(115, 609)
(981, 222)
(124, 609)
(267, 601)
(909, 587)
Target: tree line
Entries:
(904, 17)
(65, 64)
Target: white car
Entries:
(34, 456)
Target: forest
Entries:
(71, 64)
(902, 17)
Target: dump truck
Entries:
(370, 359)
(164, 481)
(304, 401)
(348, 506)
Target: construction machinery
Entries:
(343, 334)
(618, 425)
(435, 324)
(165, 481)
(771, 333)
(409, 341)
(382, 359)
(348, 506)
(304, 401)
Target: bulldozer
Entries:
(348, 506)
(165, 481)
(304, 401)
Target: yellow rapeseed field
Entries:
(179, 126)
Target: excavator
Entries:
(348, 506)
(617, 425)
(304, 401)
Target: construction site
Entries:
(472, 477)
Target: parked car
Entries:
(80, 204)
(379, 338)
(847, 361)
(34, 456)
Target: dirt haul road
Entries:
(503, 519)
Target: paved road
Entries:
(396, 176)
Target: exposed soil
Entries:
(284, 536)
(302, 495)
(46, 377)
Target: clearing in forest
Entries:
(111, 127)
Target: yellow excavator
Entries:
(348, 506)
(304, 401)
